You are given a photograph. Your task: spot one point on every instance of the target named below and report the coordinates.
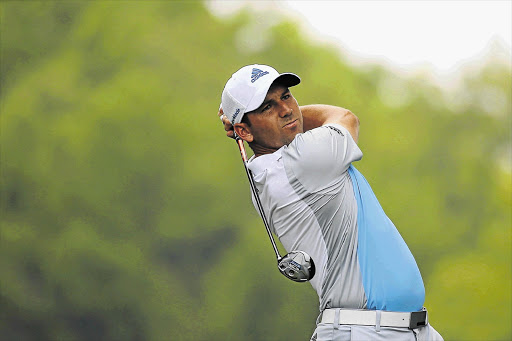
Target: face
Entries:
(275, 123)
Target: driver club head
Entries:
(297, 266)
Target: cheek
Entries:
(270, 135)
(264, 130)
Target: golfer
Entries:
(368, 283)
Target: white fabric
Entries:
(367, 317)
(248, 87)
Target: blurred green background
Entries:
(125, 211)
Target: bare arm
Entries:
(316, 115)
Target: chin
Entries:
(290, 139)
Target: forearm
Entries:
(317, 115)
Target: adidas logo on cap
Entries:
(256, 74)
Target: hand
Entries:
(228, 127)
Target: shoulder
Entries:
(321, 144)
(319, 157)
(327, 131)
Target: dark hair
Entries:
(245, 119)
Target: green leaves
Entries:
(125, 212)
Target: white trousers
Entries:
(331, 332)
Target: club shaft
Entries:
(254, 191)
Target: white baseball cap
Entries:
(247, 88)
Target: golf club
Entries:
(295, 265)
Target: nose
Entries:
(285, 111)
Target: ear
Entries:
(244, 131)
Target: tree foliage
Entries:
(125, 212)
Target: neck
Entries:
(259, 150)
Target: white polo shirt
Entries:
(316, 201)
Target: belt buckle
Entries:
(418, 319)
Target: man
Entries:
(367, 280)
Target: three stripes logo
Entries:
(256, 74)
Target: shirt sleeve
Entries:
(318, 157)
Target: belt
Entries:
(411, 320)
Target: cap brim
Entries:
(286, 79)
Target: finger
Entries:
(227, 123)
(228, 127)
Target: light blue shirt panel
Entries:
(391, 278)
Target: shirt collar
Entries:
(259, 164)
